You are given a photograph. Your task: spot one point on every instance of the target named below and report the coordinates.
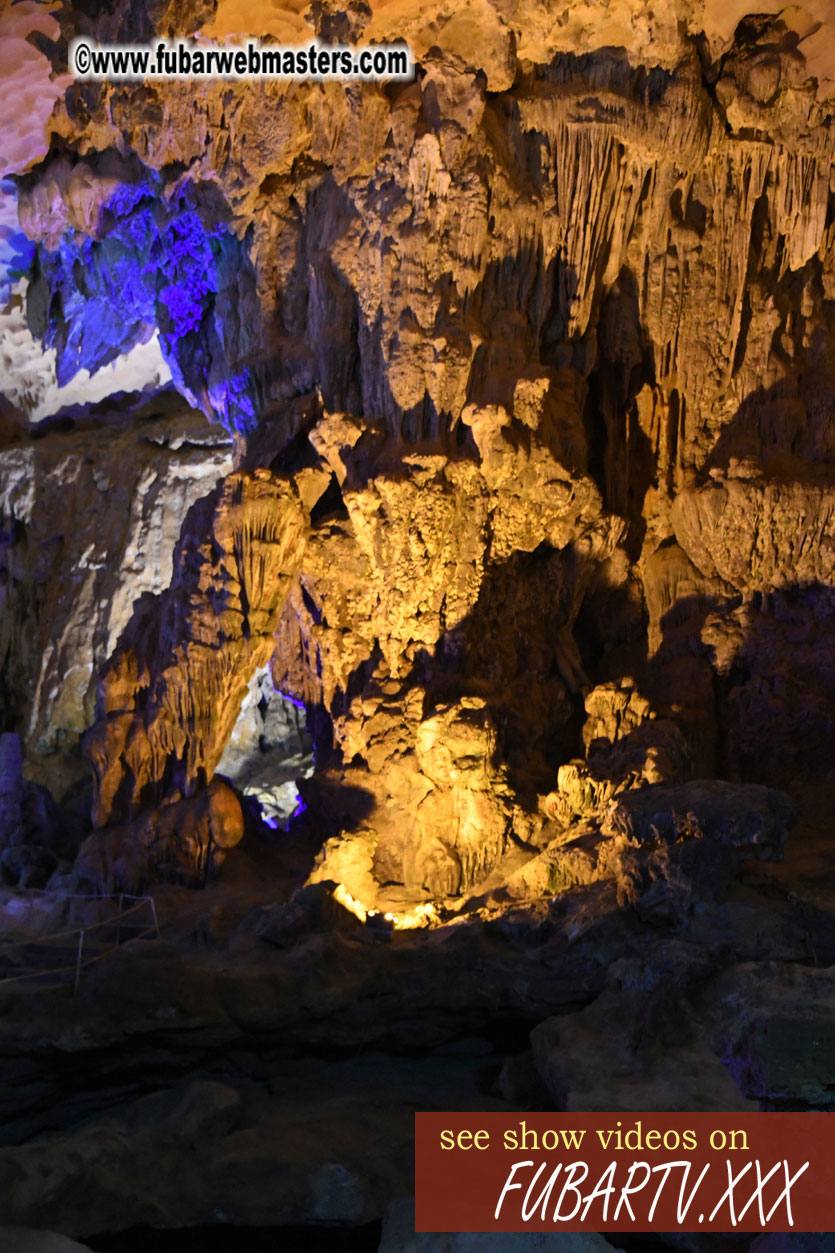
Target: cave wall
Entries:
(528, 372)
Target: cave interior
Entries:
(417, 566)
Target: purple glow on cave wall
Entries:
(16, 251)
(159, 261)
(291, 700)
(232, 400)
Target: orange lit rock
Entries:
(184, 841)
(541, 348)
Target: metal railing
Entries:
(78, 947)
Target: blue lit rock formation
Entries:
(151, 261)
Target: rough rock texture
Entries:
(185, 840)
(519, 478)
(31, 391)
(29, 91)
(238, 1072)
(542, 346)
(174, 687)
(269, 750)
(91, 515)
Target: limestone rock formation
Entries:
(184, 840)
(416, 532)
(528, 368)
(175, 685)
(269, 750)
(92, 513)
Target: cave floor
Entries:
(232, 1072)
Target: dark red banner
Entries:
(625, 1172)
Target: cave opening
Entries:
(270, 748)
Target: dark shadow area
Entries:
(606, 70)
(516, 651)
(221, 1238)
(751, 684)
(623, 459)
(785, 427)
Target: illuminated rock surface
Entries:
(94, 507)
(534, 364)
(486, 525)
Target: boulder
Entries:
(184, 842)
